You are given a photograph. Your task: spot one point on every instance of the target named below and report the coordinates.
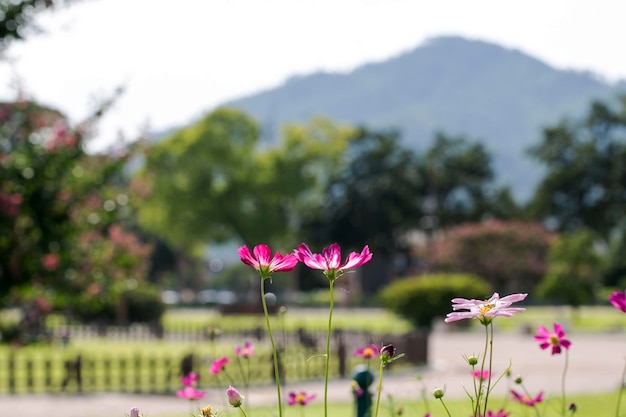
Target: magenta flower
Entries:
(300, 398)
(329, 261)
(218, 365)
(247, 351)
(525, 399)
(190, 379)
(234, 397)
(263, 262)
(134, 412)
(618, 299)
(485, 311)
(556, 339)
(481, 376)
(190, 393)
(368, 352)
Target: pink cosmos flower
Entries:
(485, 311)
(234, 397)
(300, 398)
(190, 393)
(190, 379)
(247, 351)
(368, 352)
(525, 399)
(556, 339)
(218, 365)
(134, 412)
(329, 261)
(481, 376)
(618, 299)
(263, 262)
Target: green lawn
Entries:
(585, 319)
(597, 405)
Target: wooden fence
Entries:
(133, 372)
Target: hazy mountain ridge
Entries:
(502, 97)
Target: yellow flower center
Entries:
(368, 352)
(485, 308)
(300, 398)
(554, 340)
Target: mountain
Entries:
(498, 96)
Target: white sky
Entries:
(179, 59)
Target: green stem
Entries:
(490, 337)
(243, 412)
(380, 387)
(275, 356)
(330, 320)
(444, 406)
(482, 369)
(621, 389)
(563, 405)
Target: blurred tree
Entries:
(510, 255)
(212, 182)
(373, 197)
(61, 212)
(457, 179)
(613, 260)
(202, 182)
(384, 190)
(573, 274)
(17, 18)
(585, 184)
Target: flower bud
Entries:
(234, 397)
(388, 351)
(134, 412)
(518, 380)
(472, 360)
(438, 393)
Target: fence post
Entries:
(11, 373)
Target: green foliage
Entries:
(373, 197)
(17, 18)
(511, 256)
(138, 304)
(423, 298)
(573, 274)
(586, 176)
(64, 214)
(212, 182)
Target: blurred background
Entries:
(474, 148)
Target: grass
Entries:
(593, 405)
(372, 320)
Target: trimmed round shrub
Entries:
(421, 299)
